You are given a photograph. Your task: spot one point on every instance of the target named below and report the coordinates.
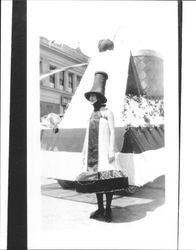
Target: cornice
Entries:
(63, 50)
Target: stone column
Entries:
(64, 75)
(45, 69)
(74, 83)
(66, 80)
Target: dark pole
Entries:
(17, 183)
(180, 6)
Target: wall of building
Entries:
(57, 90)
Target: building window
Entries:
(78, 80)
(40, 71)
(70, 81)
(40, 67)
(64, 101)
(61, 80)
(52, 77)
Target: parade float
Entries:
(135, 95)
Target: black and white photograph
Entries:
(105, 72)
(103, 113)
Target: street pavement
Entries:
(125, 208)
(139, 219)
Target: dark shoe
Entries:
(108, 215)
(96, 214)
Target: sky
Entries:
(138, 24)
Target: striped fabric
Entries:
(138, 140)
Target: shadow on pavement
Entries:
(125, 208)
(143, 201)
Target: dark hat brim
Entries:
(101, 97)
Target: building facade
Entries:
(57, 89)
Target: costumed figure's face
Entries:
(93, 98)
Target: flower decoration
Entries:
(51, 120)
(143, 111)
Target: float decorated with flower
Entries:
(135, 95)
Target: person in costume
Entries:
(101, 169)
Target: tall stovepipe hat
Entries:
(98, 86)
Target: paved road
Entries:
(126, 208)
(139, 220)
